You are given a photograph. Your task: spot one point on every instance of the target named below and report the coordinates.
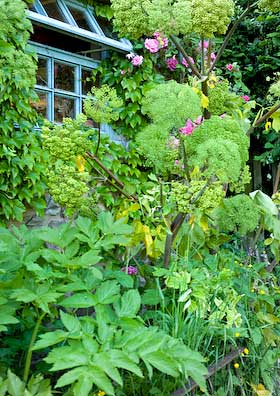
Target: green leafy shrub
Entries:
(22, 160)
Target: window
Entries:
(70, 42)
(62, 83)
(73, 18)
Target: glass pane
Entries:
(64, 77)
(63, 107)
(32, 8)
(52, 9)
(87, 81)
(41, 106)
(42, 72)
(107, 28)
(80, 18)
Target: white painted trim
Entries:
(55, 24)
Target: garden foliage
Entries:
(164, 278)
(22, 160)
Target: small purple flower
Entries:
(229, 66)
(123, 72)
(212, 56)
(130, 270)
(172, 63)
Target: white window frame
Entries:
(70, 27)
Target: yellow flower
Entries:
(246, 351)
(262, 292)
(80, 162)
(267, 125)
(236, 365)
(236, 334)
(204, 101)
(101, 393)
(250, 266)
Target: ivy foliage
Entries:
(22, 160)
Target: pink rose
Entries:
(205, 44)
(156, 35)
(185, 63)
(188, 128)
(137, 60)
(172, 63)
(152, 45)
(164, 42)
(246, 98)
(229, 66)
(212, 56)
(199, 120)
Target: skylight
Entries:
(73, 18)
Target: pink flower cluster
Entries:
(130, 270)
(135, 60)
(155, 44)
(190, 126)
(185, 63)
(246, 98)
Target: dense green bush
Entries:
(22, 160)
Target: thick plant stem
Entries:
(180, 48)
(119, 185)
(31, 344)
(277, 180)
(230, 34)
(204, 88)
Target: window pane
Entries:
(87, 82)
(64, 77)
(63, 107)
(52, 9)
(42, 72)
(41, 106)
(80, 18)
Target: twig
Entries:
(185, 55)
(263, 118)
(230, 33)
(119, 185)
(277, 180)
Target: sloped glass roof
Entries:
(76, 19)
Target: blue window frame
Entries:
(62, 82)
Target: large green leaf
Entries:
(79, 300)
(163, 363)
(108, 292)
(129, 305)
(51, 338)
(14, 384)
(71, 323)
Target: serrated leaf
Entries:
(14, 384)
(49, 339)
(108, 292)
(71, 323)
(79, 300)
(70, 377)
(103, 361)
(83, 386)
(129, 305)
(122, 360)
(163, 363)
